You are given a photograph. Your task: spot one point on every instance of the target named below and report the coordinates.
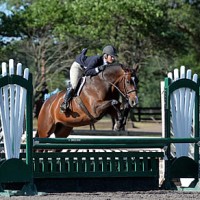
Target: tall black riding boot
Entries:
(68, 96)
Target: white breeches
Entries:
(76, 72)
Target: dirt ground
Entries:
(106, 124)
(137, 195)
(144, 126)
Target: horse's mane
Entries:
(114, 70)
(115, 67)
(118, 66)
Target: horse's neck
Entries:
(111, 74)
(101, 83)
(104, 80)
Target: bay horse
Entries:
(98, 97)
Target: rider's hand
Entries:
(102, 67)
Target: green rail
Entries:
(69, 143)
(114, 141)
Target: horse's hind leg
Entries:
(45, 127)
(62, 132)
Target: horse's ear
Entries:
(120, 64)
(136, 67)
(124, 67)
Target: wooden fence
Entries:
(145, 113)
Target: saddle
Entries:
(78, 100)
(80, 85)
(47, 96)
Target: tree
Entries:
(54, 31)
(42, 51)
(185, 17)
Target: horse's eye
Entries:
(128, 82)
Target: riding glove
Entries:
(102, 67)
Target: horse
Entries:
(98, 97)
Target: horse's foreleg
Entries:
(92, 127)
(101, 107)
(113, 121)
(126, 112)
(119, 125)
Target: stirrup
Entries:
(64, 106)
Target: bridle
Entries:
(122, 78)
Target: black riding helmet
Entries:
(110, 50)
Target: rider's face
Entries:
(110, 59)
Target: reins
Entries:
(114, 85)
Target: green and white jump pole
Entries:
(16, 93)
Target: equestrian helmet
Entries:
(110, 50)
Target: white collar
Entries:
(104, 61)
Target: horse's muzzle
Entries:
(134, 102)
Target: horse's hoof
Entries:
(116, 129)
(117, 126)
(114, 102)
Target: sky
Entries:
(4, 9)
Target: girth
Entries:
(84, 109)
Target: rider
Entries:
(90, 66)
